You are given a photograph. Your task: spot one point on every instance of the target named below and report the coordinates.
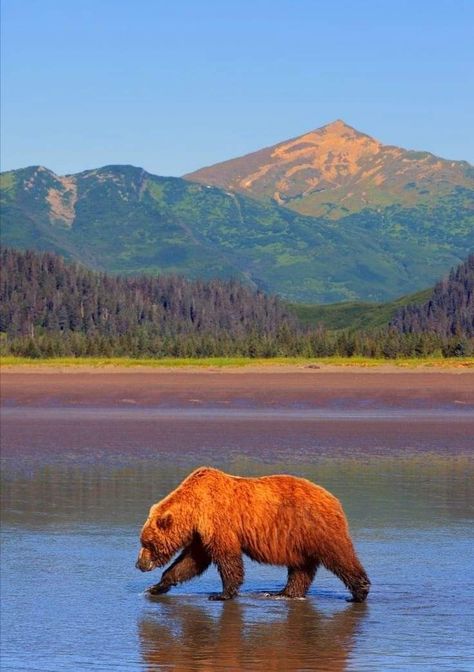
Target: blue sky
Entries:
(174, 86)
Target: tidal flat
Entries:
(85, 454)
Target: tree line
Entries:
(51, 308)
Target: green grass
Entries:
(222, 362)
(355, 314)
(165, 362)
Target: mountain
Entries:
(336, 170)
(122, 219)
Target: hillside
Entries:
(449, 311)
(39, 290)
(336, 170)
(121, 219)
(355, 315)
(49, 308)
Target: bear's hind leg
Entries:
(193, 561)
(298, 583)
(352, 574)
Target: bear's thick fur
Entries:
(278, 520)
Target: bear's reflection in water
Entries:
(257, 635)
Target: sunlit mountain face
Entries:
(336, 170)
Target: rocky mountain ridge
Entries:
(336, 170)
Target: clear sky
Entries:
(173, 85)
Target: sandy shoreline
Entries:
(261, 386)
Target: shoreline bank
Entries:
(254, 386)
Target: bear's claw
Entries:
(158, 589)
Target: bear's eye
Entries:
(164, 522)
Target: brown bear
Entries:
(278, 520)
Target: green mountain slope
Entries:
(123, 219)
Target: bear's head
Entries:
(163, 535)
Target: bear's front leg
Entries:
(192, 562)
(231, 570)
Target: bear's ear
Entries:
(164, 522)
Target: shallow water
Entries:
(76, 487)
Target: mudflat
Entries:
(257, 387)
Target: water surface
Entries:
(76, 487)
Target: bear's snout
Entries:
(145, 562)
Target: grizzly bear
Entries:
(278, 520)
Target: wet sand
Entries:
(264, 387)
